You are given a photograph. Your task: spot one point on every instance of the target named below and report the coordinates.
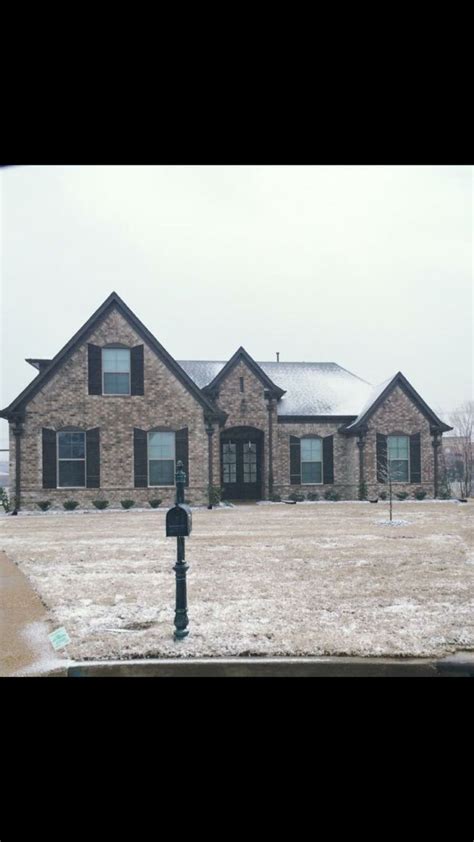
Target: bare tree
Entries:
(462, 420)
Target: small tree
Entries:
(462, 420)
(387, 475)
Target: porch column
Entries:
(361, 446)
(210, 432)
(436, 445)
(17, 432)
(270, 447)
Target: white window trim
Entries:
(58, 459)
(171, 485)
(129, 372)
(315, 462)
(400, 481)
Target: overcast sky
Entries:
(369, 267)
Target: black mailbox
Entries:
(179, 521)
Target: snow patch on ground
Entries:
(290, 580)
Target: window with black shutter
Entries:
(49, 458)
(182, 450)
(93, 458)
(381, 458)
(140, 458)
(295, 460)
(328, 460)
(137, 374)
(95, 369)
(415, 458)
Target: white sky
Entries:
(366, 266)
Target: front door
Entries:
(241, 466)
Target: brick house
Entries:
(113, 412)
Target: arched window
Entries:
(311, 461)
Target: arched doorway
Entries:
(241, 463)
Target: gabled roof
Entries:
(381, 393)
(309, 389)
(242, 355)
(112, 302)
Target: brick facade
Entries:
(399, 415)
(64, 400)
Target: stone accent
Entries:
(399, 415)
(64, 400)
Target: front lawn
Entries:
(320, 579)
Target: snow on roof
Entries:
(374, 394)
(311, 388)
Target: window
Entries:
(71, 460)
(398, 457)
(116, 371)
(311, 461)
(250, 462)
(229, 462)
(161, 458)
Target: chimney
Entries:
(278, 356)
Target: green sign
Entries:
(59, 638)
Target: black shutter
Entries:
(295, 461)
(140, 466)
(381, 458)
(182, 450)
(93, 458)
(328, 459)
(95, 369)
(136, 364)
(49, 458)
(415, 458)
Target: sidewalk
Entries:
(24, 645)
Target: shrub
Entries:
(419, 494)
(275, 498)
(402, 495)
(296, 496)
(188, 502)
(44, 505)
(155, 503)
(332, 495)
(127, 504)
(214, 495)
(100, 504)
(383, 495)
(4, 499)
(70, 505)
(313, 495)
(444, 494)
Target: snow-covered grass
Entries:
(274, 580)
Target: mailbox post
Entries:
(179, 525)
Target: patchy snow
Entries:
(285, 580)
(45, 658)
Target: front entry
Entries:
(241, 463)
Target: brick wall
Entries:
(246, 409)
(398, 414)
(64, 400)
(346, 466)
